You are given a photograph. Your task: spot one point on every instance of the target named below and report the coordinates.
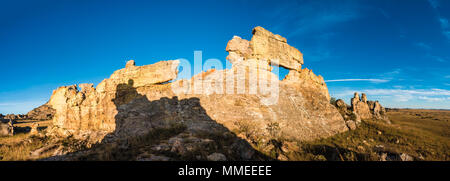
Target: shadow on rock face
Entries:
(163, 130)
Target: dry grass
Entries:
(422, 134)
(19, 146)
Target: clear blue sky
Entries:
(396, 51)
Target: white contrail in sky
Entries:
(350, 80)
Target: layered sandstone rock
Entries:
(265, 47)
(308, 81)
(94, 109)
(247, 100)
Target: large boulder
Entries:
(362, 109)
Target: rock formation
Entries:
(94, 109)
(360, 109)
(44, 112)
(14, 117)
(34, 128)
(265, 47)
(368, 109)
(265, 112)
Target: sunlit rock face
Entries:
(368, 109)
(247, 100)
(265, 47)
(85, 108)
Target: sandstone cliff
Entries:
(247, 100)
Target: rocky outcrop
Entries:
(14, 117)
(368, 109)
(265, 47)
(6, 128)
(247, 101)
(308, 81)
(94, 109)
(361, 109)
(44, 112)
(34, 128)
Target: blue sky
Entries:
(396, 51)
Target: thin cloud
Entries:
(434, 99)
(16, 103)
(322, 21)
(446, 34)
(444, 22)
(352, 80)
(434, 3)
(391, 75)
(428, 49)
(436, 58)
(423, 45)
(385, 14)
(421, 92)
(399, 95)
(445, 27)
(312, 16)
